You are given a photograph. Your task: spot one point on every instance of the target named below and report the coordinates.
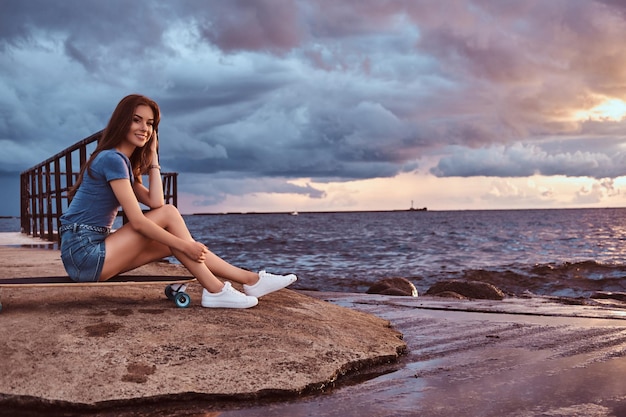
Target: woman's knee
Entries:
(170, 209)
(167, 212)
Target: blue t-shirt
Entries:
(95, 203)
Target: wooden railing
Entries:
(44, 189)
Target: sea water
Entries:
(549, 252)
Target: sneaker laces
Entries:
(229, 288)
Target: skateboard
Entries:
(172, 292)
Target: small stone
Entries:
(393, 286)
(470, 289)
(451, 294)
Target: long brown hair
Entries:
(116, 131)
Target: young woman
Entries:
(112, 178)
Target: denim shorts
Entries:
(82, 253)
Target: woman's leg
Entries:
(223, 269)
(126, 249)
(255, 284)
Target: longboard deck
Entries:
(65, 281)
(178, 295)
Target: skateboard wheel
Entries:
(182, 299)
(169, 292)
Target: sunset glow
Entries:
(613, 109)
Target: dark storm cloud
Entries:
(87, 26)
(272, 25)
(324, 89)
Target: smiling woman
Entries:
(611, 109)
(111, 179)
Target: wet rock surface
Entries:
(608, 295)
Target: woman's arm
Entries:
(152, 196)
(141, 224)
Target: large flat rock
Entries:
(117, 345)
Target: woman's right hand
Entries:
(154, 148)
(196, 251)
(155, 142)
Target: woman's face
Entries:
(142, 127)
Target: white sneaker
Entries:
(227, 298)
(269, 283)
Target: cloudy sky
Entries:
(281, 105)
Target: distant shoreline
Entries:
(399, 211)
(305, 212)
